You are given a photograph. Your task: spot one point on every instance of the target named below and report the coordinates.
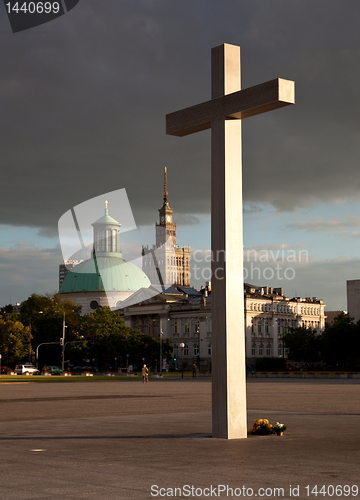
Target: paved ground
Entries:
(126, 440)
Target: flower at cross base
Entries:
(279, 428)
(263, 427)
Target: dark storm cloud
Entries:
(317, 224)
(84, 98)
(25, 268)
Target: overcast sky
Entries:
(83, 105)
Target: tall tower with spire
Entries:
(165, 228)
(174, 260)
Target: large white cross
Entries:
(223, 113)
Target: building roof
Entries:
(105, 273)
(189, 290)
(107, 219)
(168, 290)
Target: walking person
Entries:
(145, 374)
(194, 369)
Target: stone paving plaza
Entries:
(129, 440)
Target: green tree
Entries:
(304, 344)
(14, 340)
(45, 316)
(341, 343)
(8, 309)
(108, 337)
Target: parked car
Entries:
(26, 368)
(6, 369)
(291, 368)
(54, 370)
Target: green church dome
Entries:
(106, 273)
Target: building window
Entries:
(187, 326)
(196, 349)
(259, 325)
(176, 327)
(197, 326)
(261, 350)
(280, 350)
(103, 241)
(268, 350)
(266, 326)
(114, 246)
(253, 350)
(186, 350)
(209, 349)
(209, 325)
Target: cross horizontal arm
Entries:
(238, 105)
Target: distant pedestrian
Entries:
(194, 369)
(145, 374)
(252, 369)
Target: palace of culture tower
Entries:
(166, 264)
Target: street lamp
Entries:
(62, 342)
(161, 334)
(182, 345)
(37, 351)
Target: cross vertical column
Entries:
(223, 114)
(227, 295)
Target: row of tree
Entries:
(97, 338)
(338, 346)
(102, 336)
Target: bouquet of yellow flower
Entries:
(262, 427)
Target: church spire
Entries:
(165, 189)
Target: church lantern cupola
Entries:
(106, 235)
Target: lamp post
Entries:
(161, 334)
(0, 365)
(37, 351)
(182, 345)
(62, 342)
